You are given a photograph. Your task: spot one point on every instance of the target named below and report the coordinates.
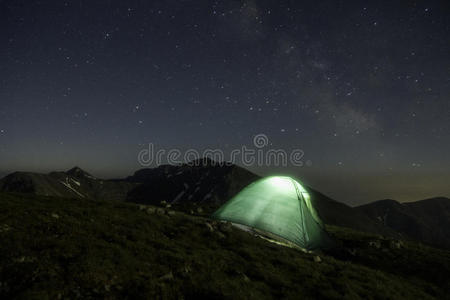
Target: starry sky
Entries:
(362, 87)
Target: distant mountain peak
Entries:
(78, 172)
(207, 162)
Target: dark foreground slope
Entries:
(80, 249)
(426, 220)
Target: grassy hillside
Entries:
(77, 248)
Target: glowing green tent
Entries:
(280, 206)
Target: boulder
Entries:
(184, 271)
(225, 227)
(395, 244)
(352, 251)
(375, 244)
(167, 277)
(209, 226)
(220, 235)
(4, 228)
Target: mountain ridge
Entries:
(74, 183)
(425, 220)
(201, 185)
(204, 185)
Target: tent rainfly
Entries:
(280, 206)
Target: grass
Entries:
(80, 249)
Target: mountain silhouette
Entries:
(208, 185)
(74, 183)
(204, 185)
(425, 220)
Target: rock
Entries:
(168, 205)
(395, 244)
(317, 259)
(25, 259)
(352, 252)
(167, 277)
(209, 226)
(160, 211)
(4, 228)
(187, 269)
(220, 235)
(225, 227)
(151, 210)
(184, 271)
(375, 244)
(171, 213)
(199, 210)
(55, 216)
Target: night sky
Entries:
(362, 87)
